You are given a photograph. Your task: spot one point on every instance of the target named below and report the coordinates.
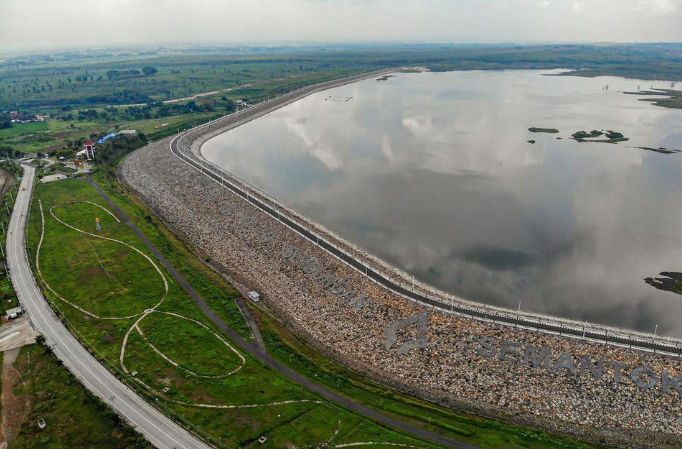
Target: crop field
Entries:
(135, 318)
(23, 128)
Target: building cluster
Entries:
(18, 117)
(495, 378)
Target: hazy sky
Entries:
(50, 23)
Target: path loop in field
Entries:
(60, 297)
(187, 370)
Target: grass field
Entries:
(192, 360)
(23, 128)
(74, 417)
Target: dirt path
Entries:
(255, 330)
(14, 408)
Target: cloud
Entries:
(33, 23)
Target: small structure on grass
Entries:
(262, 439)
(42, 424)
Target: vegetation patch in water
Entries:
(611, 136)
(534, 129)
(670, 281)
(673, 100)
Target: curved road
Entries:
(160, 430)
(272, 208)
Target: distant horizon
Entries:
(302, 45)
(27, 25)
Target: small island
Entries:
(669, 281)
(534, 129)
(661, 150)
(673, 100)
(385, 77)
(611, 136)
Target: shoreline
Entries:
(458, 360)
(552, 324)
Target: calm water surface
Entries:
(433, 173)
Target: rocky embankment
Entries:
(595, 391)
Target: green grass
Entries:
(75, 418)
(23, 128)
(179, 339)
(304, 424)
(212, 287)
(110, 279)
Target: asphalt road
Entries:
(160, 430)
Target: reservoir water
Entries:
(433, 172)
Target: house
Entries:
(14, 312)
(253, 296)
(128, 132)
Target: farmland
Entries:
(92, 94)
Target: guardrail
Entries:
(305, 228)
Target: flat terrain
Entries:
(179, 357)
(92, 94)
(43, 389)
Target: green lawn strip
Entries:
(103, 277)
(253, 384)
(74, 417)
(179, 340)
(18, 129)
(213, 288)
(487, 433)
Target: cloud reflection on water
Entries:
(433, 173)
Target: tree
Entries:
(5, 121)
(149, 70)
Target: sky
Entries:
(43, 24)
